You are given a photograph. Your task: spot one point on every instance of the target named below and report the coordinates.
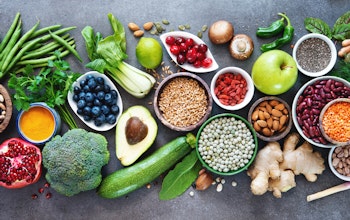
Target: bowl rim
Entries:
(196, 39)
(55, 115)
(338, 143)
(9, 108)
(73, 105)
(295, 100)
(251, 130)
(280, 135)
(250, 85)
(330, 160)
(333, 54)
(164, 82)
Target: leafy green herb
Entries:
(316, 25)
(342, 70)
(340, 30)
(50, 85)
(178, 180)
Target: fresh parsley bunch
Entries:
(50, 85)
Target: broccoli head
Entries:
(74, 161)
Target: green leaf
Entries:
(341, 32)
(119, 31)
(316, 25)
(343, 19)
(90, 43)
(178, 180)
(110, 50)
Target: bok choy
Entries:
(107, 55)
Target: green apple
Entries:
(274, 72)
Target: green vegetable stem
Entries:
(273, 29)
(107, 55)
(285, 39)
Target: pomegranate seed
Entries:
(34, 196)
(170, 40)
(47, 185)
(41, 190)
(48, 195)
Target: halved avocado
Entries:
(135, 133)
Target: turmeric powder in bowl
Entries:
(38, 124)
(335, 121)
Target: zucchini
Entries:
(128, 179)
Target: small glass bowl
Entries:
(45, 108)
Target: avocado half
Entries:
(135, 132)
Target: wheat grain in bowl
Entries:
(182, 101)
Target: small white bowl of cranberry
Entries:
(189, 51)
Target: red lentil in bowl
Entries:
(335, 121)
(182, 101)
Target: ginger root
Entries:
(274, 170)
(265, 166)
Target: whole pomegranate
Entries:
(20, 163)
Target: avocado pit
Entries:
(135, 130)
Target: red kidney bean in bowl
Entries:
(308, 103)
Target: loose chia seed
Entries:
(313, 55)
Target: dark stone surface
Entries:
(233, 202)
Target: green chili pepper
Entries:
(286, 38)
(275, 28)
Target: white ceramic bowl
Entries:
(333, 54)
(197, 40)
(294, 107)
(250, 88)
(73, 104)
(334, 171)
(32, 119)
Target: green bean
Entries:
(64, 43)
(15, 36)
(47, 45)
(45, 30)
(48, 36)
(42, 60)
(46, 50)
(19, 55)
(23, 69)
(16, 22)
(17, 46)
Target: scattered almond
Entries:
(148, 26)
(133, 27)
(138, 33)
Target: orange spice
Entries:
(336, 121)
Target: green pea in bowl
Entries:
(226, 144)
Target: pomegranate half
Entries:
(20, 163)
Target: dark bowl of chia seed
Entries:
(315, 54)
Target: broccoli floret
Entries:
(74, 161)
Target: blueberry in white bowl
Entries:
(96, 101)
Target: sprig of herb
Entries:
(340, 30)
(50, 85)
(342, 70)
